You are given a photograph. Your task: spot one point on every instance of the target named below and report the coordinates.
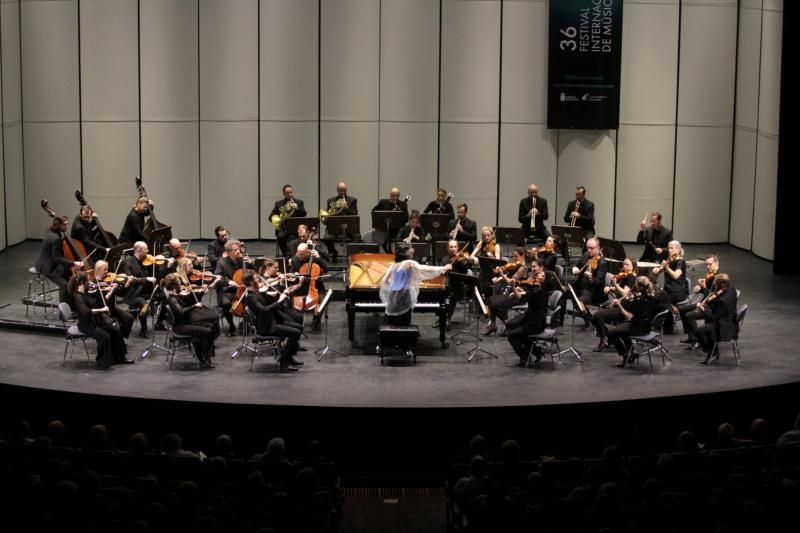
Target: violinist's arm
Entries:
(599, 277)
(627, 314)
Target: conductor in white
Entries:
(400, 286)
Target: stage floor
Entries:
(441, 377)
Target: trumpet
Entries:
(336, 207)
(533, 215)
(285, 213)
(574, 218)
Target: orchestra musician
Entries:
(689, 312)
(94, 321)
(82, 230)
(307, 255)
(124, 318)
(459, 261)
(441, 205)
(547, 253)
(216, 248)
(462, 228)
(226, 289)
(591, 271)
(412, 232)
(674, 269)
(504, 297)
(721, 305)
(400, 286)
(286, 313)
(655, 237)
(142, 282)
(51, 262)
(304, 236)
(621, 285)
(188, 279)
(532, 214)
(393, 203)
(183, 304)
(133, 229)
(286, 207)
(638, 308)
(265, 306)
(341, 204)
(487, 247)
(533, 320)
(580, 212)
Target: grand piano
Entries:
(365, 274)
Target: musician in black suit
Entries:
(689, 312)
(393, 203)
(535, 206)
(133, 230)
(82, 230)
(591, 271)
(343, 205)
(638, 308)
(723, 325)
(655, 239)
(217, 247)
(304, 236)
(442, 205)
(294, 209)
(462, 228)
(304, 256)
(460, 263)
(51, 262)
(583, 215)
(534, 320)
(182, 306)
(265, 307)
(412, 232)
(142, 283)
(226, 288)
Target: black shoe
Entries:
(490, 330)
(143, 334)
(159, 326)
(128, 362)
(435, 324)
(693, 346)
(294, 362)
(286, 368)
(231, 331)
(688, 341)
(315, 324)
(208, 364)
(302, 349)
(601, 346)
(522, 363)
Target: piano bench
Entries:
(403, 338)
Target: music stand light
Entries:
(388, 221)
(437, 225)
(571, 236)
(344, 227)
(508, 235)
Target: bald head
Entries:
(533, 190)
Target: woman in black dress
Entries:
(182, 303)
(638, 309)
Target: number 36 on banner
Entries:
(569, 43)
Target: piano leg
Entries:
(351, 322)
(443, 326)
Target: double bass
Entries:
(152, 223)
(99, 234)
(73, 251)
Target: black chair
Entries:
(257, 345)
(650, 342)
(548, 339)
(71, 333)
(741, 312)
(176, 341)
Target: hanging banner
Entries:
(584, 64)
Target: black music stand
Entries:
(362, 248)
(290, 225)
(488, 264)
(388, 221)
(468, 281)
(477, 349)
(114, 256)
(578, 305)
(612, 249)
(158, 237)
(437, 225)
(571, 237)
(323, 310)
(344, 227)
(508, 235)
(422, 251)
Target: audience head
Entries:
(138, 443)
(276, 448)
(478, 466)
(98, 437)
(171, 443)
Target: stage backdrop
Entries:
(218, 103)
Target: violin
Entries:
(201, 275)
(508, 268)
(150, 260)
(622, 276)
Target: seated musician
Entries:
(461, 228)
(226, 289)
(142, 282)
(285, 208)
(655, 239)
(580, 212)
(532, 214)
(591, 271)
(674, 269)
(689, 312)
(721, 305)
(306, 256)
(339, 205)
(442, 205)
(534, 319)
(503, 296)
(133, 230)
(183, 304)
(94, 321)
(199, 283)
(547, 253)
(621, 285)
(400, 285)
(304, 236)
(82, 231)
(459, 261)
(122, 316)
(216, 248)
(286, 313)
(266, 306)
(638, 309)
(51, 262)
(412, 232)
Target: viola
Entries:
(201, 275)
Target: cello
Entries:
(73, 251)
(108, 238)
(311, 272)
